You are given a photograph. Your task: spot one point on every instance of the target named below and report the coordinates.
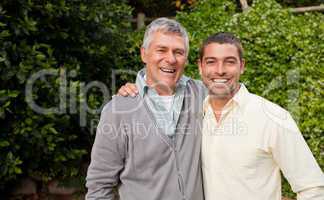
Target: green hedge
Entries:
(79, 41)
(284, 54)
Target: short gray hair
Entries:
(165, 25)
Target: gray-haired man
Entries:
(149, 146)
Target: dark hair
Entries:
(222, 38)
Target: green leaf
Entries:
(4, 143)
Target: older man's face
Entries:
(220, 69)
(165, 58)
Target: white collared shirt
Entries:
(243, 153)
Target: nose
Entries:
(219, 69)
(171, 58)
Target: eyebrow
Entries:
(231, 57)
(206, 58)
(162, 46)
(215, 58)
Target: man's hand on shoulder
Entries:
(129, 89)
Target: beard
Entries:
(221, 90)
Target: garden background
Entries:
(62, 60)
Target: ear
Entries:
(143, 55)
(199, 66)
(242, 67)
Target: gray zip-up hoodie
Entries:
(132, 154)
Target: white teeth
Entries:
(219, 80)
(167, 70)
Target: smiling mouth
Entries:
(166, 70)
(215, 80)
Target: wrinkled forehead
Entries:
(166, 33)
(167, 41)
(150, 35)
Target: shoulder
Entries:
(120, 104)
(271, 112)
(197, 87)
(266, 105)
(197, 83)
(119, 110)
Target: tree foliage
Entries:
(73, 43)
(299, 3)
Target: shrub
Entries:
(74, 42)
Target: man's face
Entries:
(165, 58)
(220, 69)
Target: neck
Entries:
(217, 103)
(161, 89)
(164, 91)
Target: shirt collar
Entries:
(141, 83)
(240, 98)
(143, 87)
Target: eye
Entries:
(180, 53)
(160, 50)
(210, 61)
(231, 61)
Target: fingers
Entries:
(128, 89)
(123, 91)
(132, 88)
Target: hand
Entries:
(128, 89)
